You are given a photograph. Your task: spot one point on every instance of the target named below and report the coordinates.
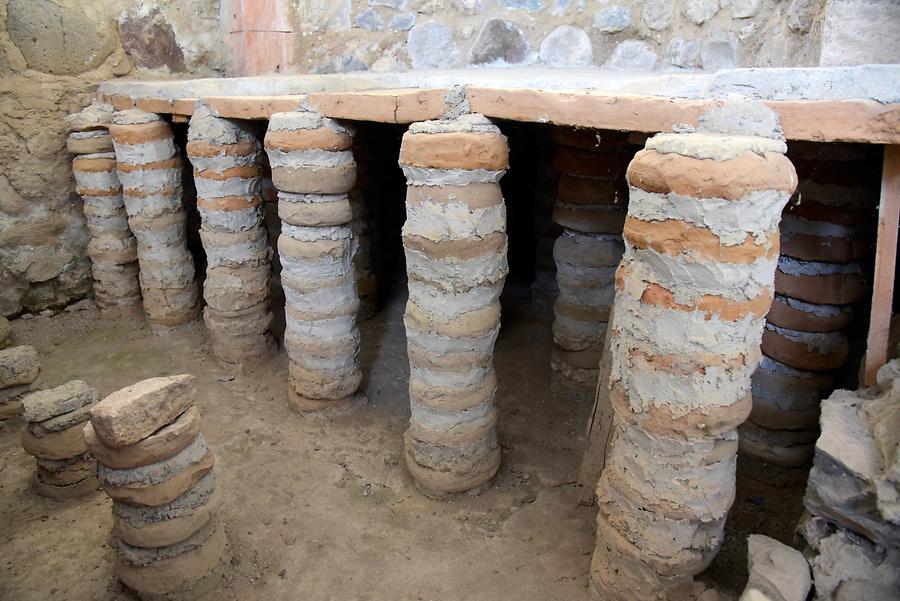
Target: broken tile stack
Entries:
(225, 156)
(112, 247)
(149, 167)
(53, 435)
(592, 200)
(364, 195)
(158, 470)
(818, 279)
(853, 495)
(19, 368)
(692, 292)
(313, 169)
(455, 243)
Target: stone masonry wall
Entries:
(52, 56)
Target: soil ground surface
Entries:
(320, 506)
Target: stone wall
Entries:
(52, 56)
(354, 35)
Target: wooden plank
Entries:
(885, 265)
(599, 429)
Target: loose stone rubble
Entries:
(4, 333)
(692, 292)
(149, 167)
(19, 368)
(112, 247)
(158, 470)
(455, 243)
(777, 572)
(590, 207)
(225, 155)
(314, 170)
(817, 281)
(53, 435)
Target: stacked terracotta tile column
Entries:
(225, 155)
(818, 279)
(112, 247)
(158, 470)
(692, 292)
(53, 436)
(149, 168)
(313, 170)
(591, 204)
(546, 231)
(455, 242)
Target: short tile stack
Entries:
(19, 368)
(157, 468)
(112, 247)
(592, 200)
(362, 196)
(313, 169)
(225, 155)
(54, 437)
(818, 279)
(149, 168)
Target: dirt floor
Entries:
(321, 506)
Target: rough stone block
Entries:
(18, 365)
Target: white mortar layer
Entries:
(436, 420)
(449, 305)
(822, 343)
(573, 335)
(177, 275)
(218, 164)
(302, 119)
(151, 180)
(340, 363)
(291, 198)
(96, 180)
(452, 274)
(470, 122)
(453, 220)
(596, 296)
(717, 147)
(231, 221)
(145, 152)
(312, 158)
(323, 329)
(317, 300)
(424, 176)
(245, 252)
(311, 234)
(791, 224)
(757, 213)
(441, 346)
(689, 280)
(814, 309)
(153, 205)
(233, 186)
(109, 205)
(313, 270)
(450, 379)
(816, 268)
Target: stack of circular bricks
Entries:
(149, 167)
(112, 247)
(823, 236)
(592, 200)
(455, 242)
(225, 155)
(157, 469)
(692, 292)
(363, 195)
(313, 169)
(546, 231)
(54, 437)
(19, 368)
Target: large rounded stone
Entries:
(499, 41)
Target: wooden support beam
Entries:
(877, 352)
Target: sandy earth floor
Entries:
(320, 506)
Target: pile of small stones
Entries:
(53, 435)
(156, 467)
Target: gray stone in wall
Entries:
(150, 41)
(743, 9)
(57, 39)
(859, 32)
(469, 7)
(801, 14)
(657, 14)
(499, 41)
(529, 5)
(567, 46)
(342, 64)
(402, 21)
(395, 4)
(684, 53)
(716, 55)
(699, 12)
(632, 54)
(612, 19)
(431, 46)
(369, 20)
